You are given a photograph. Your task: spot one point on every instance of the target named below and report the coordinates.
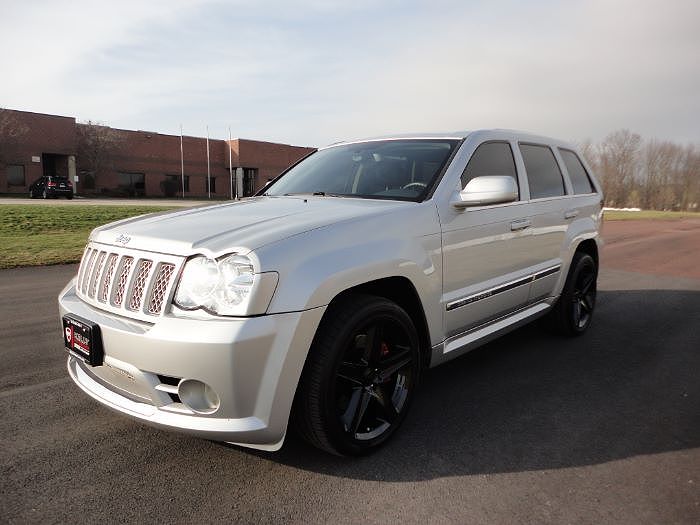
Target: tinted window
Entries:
(543, 173)
(490, 158)
(577, 173)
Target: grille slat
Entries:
(128, 282)
(160, 288)
(88, 272)
(107, 278)
(94, 278)
(139, 286)
(83, 267)
(125, 271)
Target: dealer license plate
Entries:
(83, 339)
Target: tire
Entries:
(573, 312)
(359, 378)
(31, 194)
(44, 195)
(69, 197)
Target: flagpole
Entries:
(230, 161)
(208, 167)
(182, 164)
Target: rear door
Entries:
(546, 209)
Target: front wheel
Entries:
(573, 312)
(360, 376)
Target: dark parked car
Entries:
(52, 187)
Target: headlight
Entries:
(227, 286)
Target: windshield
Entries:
(387, 169)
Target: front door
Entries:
(485, 249)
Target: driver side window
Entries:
(490, 158)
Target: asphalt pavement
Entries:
(532, 428)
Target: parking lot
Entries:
(531, 428)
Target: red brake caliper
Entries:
(384, 349)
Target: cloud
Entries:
(313, 72)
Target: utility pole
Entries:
(182, 164)
(230, 161)
(208, 167)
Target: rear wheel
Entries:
(573, 312)
(360, 376)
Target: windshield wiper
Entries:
(313, 194)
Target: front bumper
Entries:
(252, 364)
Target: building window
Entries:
(212, 184)
(249, 176)
(87, 180)
(15, 175)
(171, 185)
(132, 184)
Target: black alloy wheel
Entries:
(360, 376)
(573, 312)
(583, 297)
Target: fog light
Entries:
(197, 396)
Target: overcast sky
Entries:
(314, 72)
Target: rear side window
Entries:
(543, 173)
(490, 158)
(577, 173)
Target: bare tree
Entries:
(653, 174)
(657, 165)
(688, 178)
(618, 166)
(96, 143)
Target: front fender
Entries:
(314, 267)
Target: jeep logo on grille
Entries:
(123, 239)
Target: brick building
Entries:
(116, 162)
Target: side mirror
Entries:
(493, 189)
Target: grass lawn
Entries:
(34, 235)
(615, 215)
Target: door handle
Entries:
(571, 214)
(520, 224)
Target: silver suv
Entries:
(323, 299)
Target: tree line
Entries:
(649, 174)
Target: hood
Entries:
(237, 226)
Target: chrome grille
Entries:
(132, 283)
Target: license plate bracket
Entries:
(83, 339)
